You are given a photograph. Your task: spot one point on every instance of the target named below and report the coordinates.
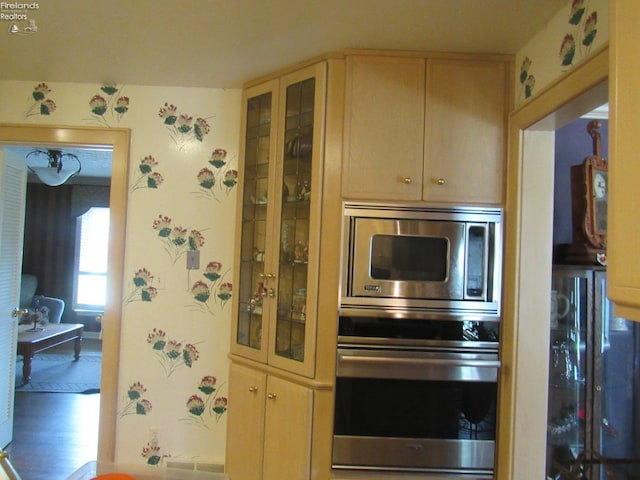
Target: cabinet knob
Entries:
(272, 293)
(439, 181)
(253, 389)
(271, 396)
(407, 180)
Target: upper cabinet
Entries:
(384, 123)
(465, 131)
(279, 224)
(623, 229)
(426, 129)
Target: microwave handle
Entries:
(405, 368)
(478, 260)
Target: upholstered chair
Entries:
(55, 306)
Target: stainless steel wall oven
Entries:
(416, 395)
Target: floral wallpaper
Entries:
(172, 398)
(569, 37)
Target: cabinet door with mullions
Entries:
(299, 161)
(257, 171)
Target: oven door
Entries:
(407, 259)
(415, 410)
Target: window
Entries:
(92, 248)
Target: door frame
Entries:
(119, 140)
(528, 257)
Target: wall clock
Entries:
(589, 192)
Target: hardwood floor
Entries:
(54, 434)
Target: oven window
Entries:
(415, 408)
(409, 258)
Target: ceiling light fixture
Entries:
(54, 172)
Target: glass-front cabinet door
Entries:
(298, 218)
(279, 226)
(571, 322)
(256, 209)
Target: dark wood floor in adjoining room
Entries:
(54, 434)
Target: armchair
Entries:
(55, 306)
(28, 299)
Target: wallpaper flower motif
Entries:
(171, 354)
(107, 106)
(136, 405)
(147, 177)
(41, 105)
(152, 454)
(583, 36)
(221, 178)
(177, 240)
(182, 128)
(143, 290)
(217, 291)
(206, 405)
(527, 81)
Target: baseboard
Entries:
(91, 335)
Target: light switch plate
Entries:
(193, 259)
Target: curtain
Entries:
(50, 233)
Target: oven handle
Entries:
(416, 368)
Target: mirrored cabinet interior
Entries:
(594, 380)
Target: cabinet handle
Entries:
(272, 293)
(270, 275)
(439, 181)
(253, 389)
(271, 396)
(407, 180)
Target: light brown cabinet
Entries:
(623, 229)
(278, 225)
(269, 425)
(384, 123)
(425, 129)
(286, 275)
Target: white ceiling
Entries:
(223, 43)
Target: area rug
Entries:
(58, 372)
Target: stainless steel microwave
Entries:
(405, 261)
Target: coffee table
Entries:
(30, 343)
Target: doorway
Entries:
(529, 230)
(118, 140)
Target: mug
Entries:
(560, 306)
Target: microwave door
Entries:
(408, 259)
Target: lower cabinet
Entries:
(269, 426)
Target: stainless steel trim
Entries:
(412, 454)
(419, 309)
(417, 365)
(396, 210)
(346, 341)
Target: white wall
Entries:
(166, 384)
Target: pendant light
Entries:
(48, 165)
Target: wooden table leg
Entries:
(26, 368)
(77, 345)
